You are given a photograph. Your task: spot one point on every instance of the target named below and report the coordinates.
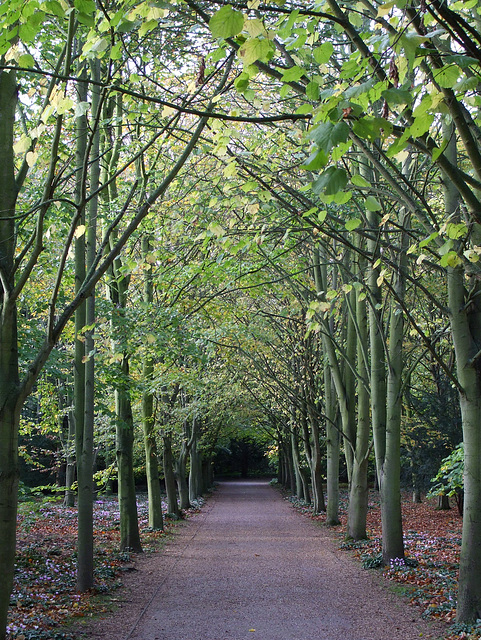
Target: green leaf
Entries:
(53, 7)
(396, 147)
(316, 161)
(451, 259)
(323, 53)
(85, 6)
(427, 240)
(304, 108)
(372, 128)
(27, 32)
(421, 125)
(372, 204)
(26, 61)
(148, 26)
(456, 231)
(352, 224)
(397, 96)
(328, 134)
(410, 43)
(255, 49)
(331, 181)
(242, 82)
(293, 74)
(461, 60)
(447, 76)
(126, 26)
(312, 91)
(226, 22)
(359, 181)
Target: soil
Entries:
(248, 565)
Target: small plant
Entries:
(370, 561)
(459, 628)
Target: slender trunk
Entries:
(151, 456)
(391, 514)
(345, 402)
(302, 491)
(181, 470)
(465, 316)
(291, 474)
(69, 448)
(318, 502)
(148, 422)
(349, 431)
(169, 476)
(466, 330)
(9, 373)
(333, 444)
(195, 470)
(376, 346)
(358, 495)
(129, 524)
(83, 435)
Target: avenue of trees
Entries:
(245, 221)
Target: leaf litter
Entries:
(428, 574)
(44, 599)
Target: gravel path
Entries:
(249, 566)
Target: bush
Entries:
(449, 480)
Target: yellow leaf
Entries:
(31, 158)
(79, 231)
(22, 145)
(167, 111)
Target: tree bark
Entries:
(83, 433)
(129, 524)
(358, 495)
(195, 470)
(333, 445)
(169, 476)
(9, 366)
(465, 316)
(148, 422)
(181, 470)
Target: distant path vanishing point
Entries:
(250, 567)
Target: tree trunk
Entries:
(391, 514)
(129, 524)
(358, 495)
(151, 456)
(83, 433)
(376, 345)
(148, 422)
(302, 490)
(66, 426)
(9, 374)
(466, 329)
(333, 444)
(315, 460)
(195, 470)
(169, 476)
(181, 475)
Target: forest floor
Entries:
(45, 605)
